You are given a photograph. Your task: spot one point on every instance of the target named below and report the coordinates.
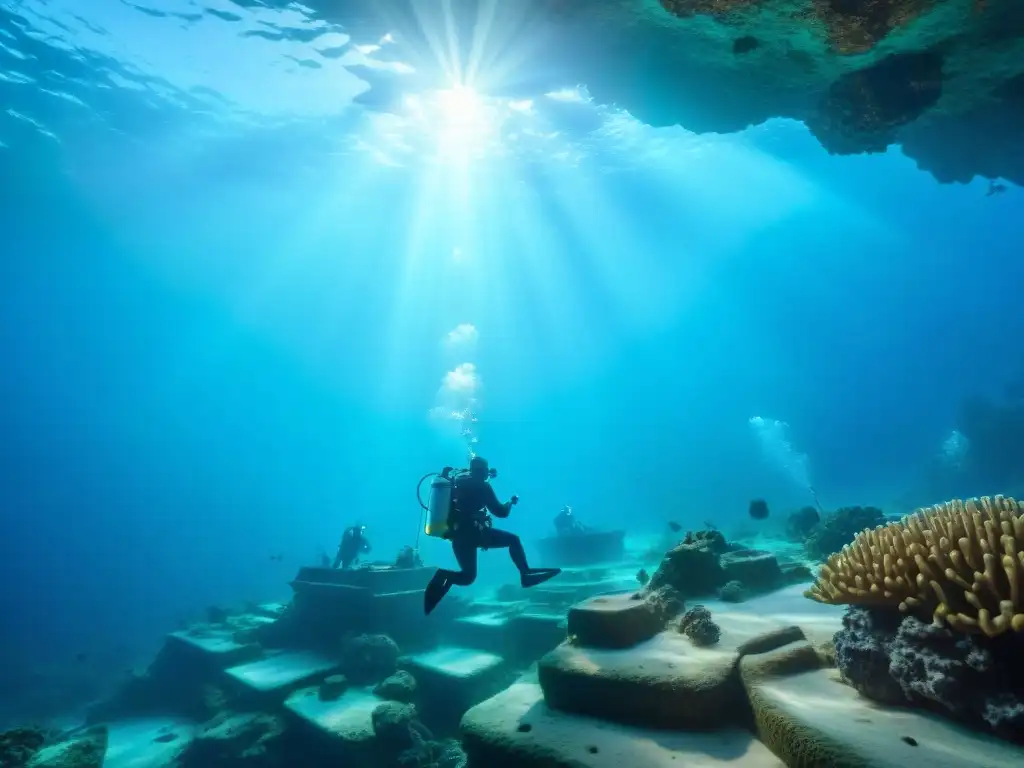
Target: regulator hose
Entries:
(426, 509)
(419, 487)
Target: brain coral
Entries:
(962, 561)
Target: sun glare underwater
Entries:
(465, 383)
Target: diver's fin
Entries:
(536, 576)
(435, 591)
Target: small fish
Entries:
(995, 188)
(674, 526)
(708, 525)
(277, 558)
(643, 577)
(758, 509)
(81, 658)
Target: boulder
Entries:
(401, 687)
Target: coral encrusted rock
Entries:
(900, 660)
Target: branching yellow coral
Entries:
(961, 561)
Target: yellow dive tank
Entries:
(439, 506)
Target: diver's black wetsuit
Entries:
(353, 544)
(470, 530)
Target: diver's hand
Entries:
(514, 500)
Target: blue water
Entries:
(226, 290)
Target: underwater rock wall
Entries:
(943, 79)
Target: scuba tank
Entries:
(439, 506)
(441, 501)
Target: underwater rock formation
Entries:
(400, 686)
(250, 739)
(691, 568)
(83, 750)
(839, 529)
(704, 563)
(800, 523)
(756, 570)
(732, 592)
(18, 745)
(958, 563)
(942, 79)
(899, 660)
(370, 658)
(698, 625)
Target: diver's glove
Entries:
(514, 500)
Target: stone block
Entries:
(209, 648)
(482, 631)
(278, 675)
(665, 682)
(516, 729)
(452, 679)
(613, 621)
(531, 635)
(343, 727)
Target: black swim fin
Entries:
(435, 592)
(536, 576)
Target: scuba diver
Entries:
(470, 530)
(567, 524)
(353, 544)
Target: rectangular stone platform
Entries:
(212, 648)
(554, 593)
(278, 675)
(151, 742)
(347, 717)
(582, 549)
(516, 728)
(400, 616)
(342, 729)
(482, 631)
(782, 608)
(533, 634)
(452, 679)
(377, 580)
(271, 610)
